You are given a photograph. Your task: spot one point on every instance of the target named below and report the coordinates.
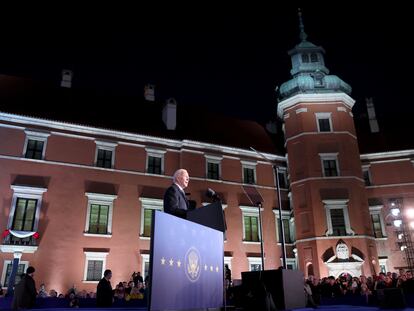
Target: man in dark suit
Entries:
(175, 202)
(104, 295)
(25, 292)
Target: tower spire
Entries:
(303, 36)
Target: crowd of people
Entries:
(346, 285)
(25, 292)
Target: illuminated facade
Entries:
(77, 199)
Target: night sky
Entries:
(228, 58)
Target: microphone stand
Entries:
(282, 230)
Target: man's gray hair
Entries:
(178, 173)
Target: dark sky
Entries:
(229, 58)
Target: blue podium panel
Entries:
(186, 265)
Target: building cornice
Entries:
(139, 138)
(388, 154)
(319, 98)
(18, 248)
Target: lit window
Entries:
(251, 228)
(377, 221)
(7, 269)
(99, 214)
(249, 172)
(148, 205)
(95, 265)
(24, 213)
(337, 218)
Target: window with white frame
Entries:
(95, 265)
(290, 263)
(255, 263)
(7, 269)
(155, 161)
(282, 178)
(288, 226)
(105, 154)
(249, 172)
(35, 145)
(330, 166)
(148, 205)
(99, 214)
(227, 261)
(324, 121)
(145, 263)
(377, 220)
(213, 167)
(337, 218)
(367, 175)
(251, 228)
(383, 265)
(25, 211)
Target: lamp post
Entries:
(282, 230)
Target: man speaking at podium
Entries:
(175, 202)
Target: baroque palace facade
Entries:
(77, 199)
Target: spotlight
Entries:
(403, 247)
(397, 222)
(395, 211)
(400, 236)
(410, 213)
(412, 224)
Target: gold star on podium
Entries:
(171, 262)
(178, 263)
(217, 268)
(163, 261)
(211, 268)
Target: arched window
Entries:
(314, 57)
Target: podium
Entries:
(211, 216)
(186, 260)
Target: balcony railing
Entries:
(12, 240)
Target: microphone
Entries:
(210, 193)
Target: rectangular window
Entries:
(154, 165)
(248, 174)
(34, 149)
(338, 222)
(147, 222)
(251, 228)
(94, 272)
(330, 168)
(324, 125)
(24, 215)
(213, 170)
(255, 267)
(104, 158)
(367, 177)
(98, 220)
(282, 180)
(376, 225)
(286, 229)
(20, 271)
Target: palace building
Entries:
(77, 189)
